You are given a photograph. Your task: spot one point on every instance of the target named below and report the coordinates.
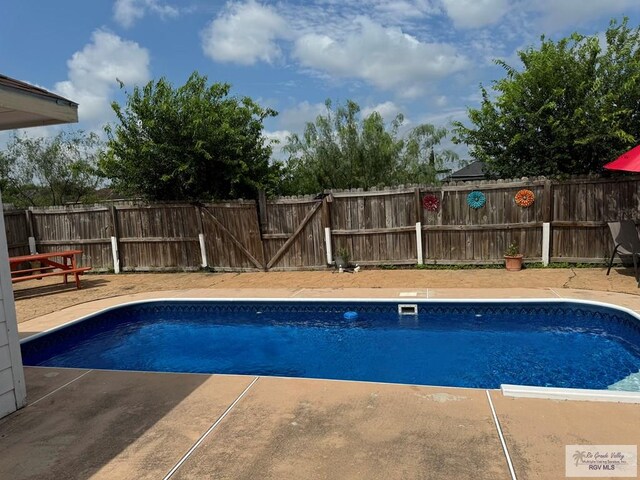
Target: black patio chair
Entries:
(627, 242)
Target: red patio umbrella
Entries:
(629, 162)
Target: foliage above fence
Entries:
(377, 227)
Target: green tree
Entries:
(342, 150)
(573, 107)
(194, 142)
(50, 171)
(425, 160)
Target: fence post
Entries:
(417, 205)
(327, 244)
(263, 222)
(419, 242)
(32, 238)
(262, 208)
(326, 221)
(546, 243)
(203, 247)
(547, 218)
(114, 239)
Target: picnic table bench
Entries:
(48, 267)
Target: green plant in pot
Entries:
(513, 258)
(342, 258)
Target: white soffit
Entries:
(24, 105)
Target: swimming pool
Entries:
(447, 343)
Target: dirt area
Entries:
(39, 297)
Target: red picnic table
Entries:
(48, 267)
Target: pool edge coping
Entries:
(579, 394)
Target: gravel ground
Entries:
(39, 297)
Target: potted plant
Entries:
(513, 258)
(342, 258)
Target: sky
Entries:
(423, 58)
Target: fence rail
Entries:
(566, 223)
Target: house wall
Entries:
(12, 385)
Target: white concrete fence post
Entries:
(114, 238)
(32, 246)
(546, 243)
(114, 253)
(203, 250)
(327, 245)
(32, 237)
(419, 243)
(203, 246)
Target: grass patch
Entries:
(498, 266)
(487, 266)
(565, 265)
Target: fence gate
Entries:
(293, 233)
(232, 236)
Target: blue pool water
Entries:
(449, 344)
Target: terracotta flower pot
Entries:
(513, 263)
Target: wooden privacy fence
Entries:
(566, 223)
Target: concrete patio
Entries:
(106, 424)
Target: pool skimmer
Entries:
(407, 309)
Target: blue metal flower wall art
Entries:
(476, 199)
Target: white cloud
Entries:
(127, 12)
(277, 135)
(387, 110)
(334, 18)
(550, 15)
(445, 117)
(278, 139)
(387, 58)
(244, 33)
(556, 15)
(400, 10)
(441, 101)
(295, 118)
(94, 69)
(31, 132)
(476, 13)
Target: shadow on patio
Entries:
(81, 423)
